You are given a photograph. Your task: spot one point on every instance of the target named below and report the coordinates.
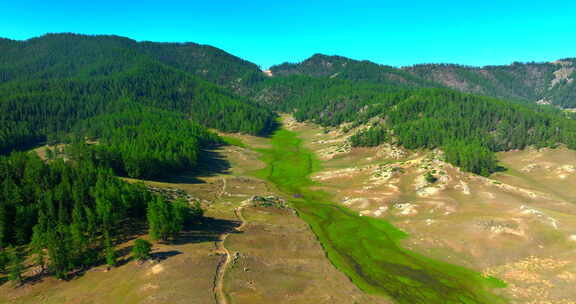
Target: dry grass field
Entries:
(276, 257)
(518, 225)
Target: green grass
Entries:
(233, 141)
(366, 249)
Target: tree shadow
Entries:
(37, 277)
(123, 255)
(162, 255)
(269, 131)
(500, 169)
(209, 230)
(3, 280)
(210, 163)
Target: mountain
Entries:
(418, 118)
(72, 55)
(344, 68)
(544, 83)
(51, 85)
(55, 83)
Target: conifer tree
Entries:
(4, 225)
(15, 266)
(3, 260)
(57, 252)
(141, 249)
(166, 219)
(110, 253)
(37, 246)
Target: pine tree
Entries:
(58, 252)
(110, 252)
(37, 246)
(15, 266)
(4, 225)
(78, 238)
(180, 214)
(159, 219)
(3, 260)
(141, 249)
(166, 219)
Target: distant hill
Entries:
(545, 83)
(73, 55)
(51, 83)
(344, 68)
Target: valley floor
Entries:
(518, 225)
(275, 257)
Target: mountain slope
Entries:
(547, 83)
(51, 83)
(469, 128)
(70, 55)
(344, 68)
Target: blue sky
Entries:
(270, 32)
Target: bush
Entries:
(431, 178)
(141, 250)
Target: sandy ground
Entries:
(519, 225)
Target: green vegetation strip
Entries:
(368, 249)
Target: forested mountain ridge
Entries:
(72, 55)
(73, 78)
(469, 128)
(547, 83)
(54, 83)
(320, 65)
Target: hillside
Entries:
(344, 68)
(469, 127)
(51, 83)
(516, 225)
(73, 55)
(544, 83)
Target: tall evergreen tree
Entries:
(141, 249)
(15, 266)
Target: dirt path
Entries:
(219, 294)
(222, 191)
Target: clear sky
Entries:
(270, 32)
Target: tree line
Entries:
(140, 142)
(69, 216)
(38, 110)
(431, 118)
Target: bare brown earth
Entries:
(518, 225)
(224, 265)
(283, 263)
(275, 257)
